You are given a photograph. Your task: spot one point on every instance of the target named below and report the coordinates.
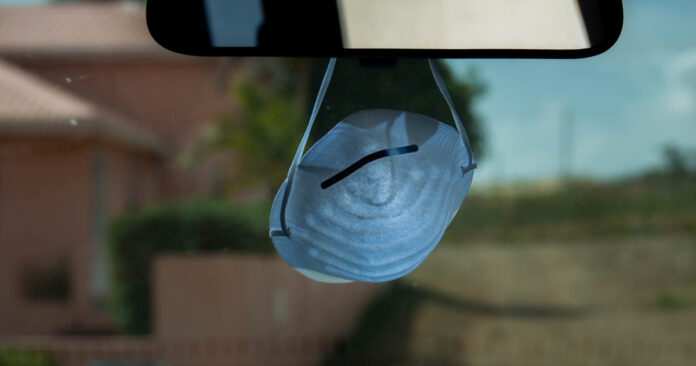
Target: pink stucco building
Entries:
(93, 115)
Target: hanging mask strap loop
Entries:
(458, 122)
(300, 149)
(317, 105)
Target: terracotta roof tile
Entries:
(31, 107)
(108, 29)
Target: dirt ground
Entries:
(628, 302)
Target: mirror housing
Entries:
(365, 28)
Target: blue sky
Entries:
(626, 103)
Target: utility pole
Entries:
(565, 156)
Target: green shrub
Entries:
(15, 357)
(199, 226)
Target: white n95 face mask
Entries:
(373, 197)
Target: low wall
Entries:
(215, 310)
(250, 309)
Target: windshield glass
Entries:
(136, 187)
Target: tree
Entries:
(408, 85)
(275, 98)
(678, 162)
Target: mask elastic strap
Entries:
(458, 122)
(300, 149)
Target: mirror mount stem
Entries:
(378, 61)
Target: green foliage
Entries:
(275, 98)
(16, 357)
(175, 228)
(652, 205)
(265, 129)
(671, 301)
(677, 162)
(381, 334)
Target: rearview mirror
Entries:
(427, 28)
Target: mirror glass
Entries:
(456, 24)
(326, 27)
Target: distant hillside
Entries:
(656, 204)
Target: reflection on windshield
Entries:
(135, 189)
(402, 24)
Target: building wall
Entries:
(172, 97)
(251, 310)
(48, 222)
(50, 210)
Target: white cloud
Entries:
(627, 104)
(680, 96)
